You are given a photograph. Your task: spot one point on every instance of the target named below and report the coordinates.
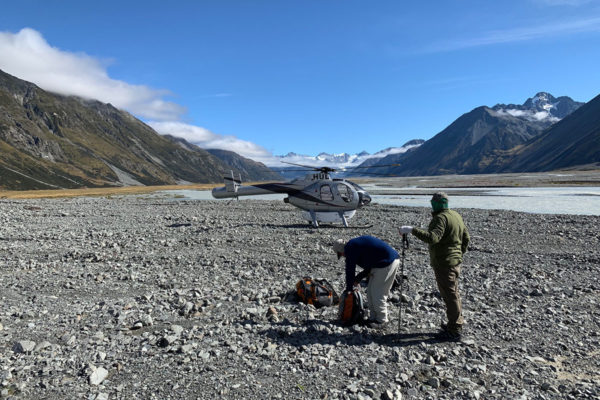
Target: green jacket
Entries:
(447, 236)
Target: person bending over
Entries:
(379, 262)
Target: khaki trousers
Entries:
(378, 289)
(447, 282)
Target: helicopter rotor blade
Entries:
(340, 169)
(292, 170)
(313, 168)
(358, 174)
(372, 166)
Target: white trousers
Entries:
(378, 290)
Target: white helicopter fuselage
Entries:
(322, 198)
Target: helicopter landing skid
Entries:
(313, 217)
(328, 216)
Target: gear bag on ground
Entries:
(317, 292)
(352, 308)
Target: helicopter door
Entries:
(326, 193)
(345, 192)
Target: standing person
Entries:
(448, 239)
(380, 262)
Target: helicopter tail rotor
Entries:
(232, 184)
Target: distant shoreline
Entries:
(525, 179)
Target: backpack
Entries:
(352, 308)
(317, 292)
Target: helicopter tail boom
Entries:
(231, 187)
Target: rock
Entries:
(24, 346)
(391, 395)
(98, 376)
(166, 341)
(434, 382)
(43, 345)
(147, 320)
(238, 340)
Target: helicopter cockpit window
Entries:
(345, 192)
(357, 187)
(326, 193)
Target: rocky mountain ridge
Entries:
(574, 141)
(482, 140)
(54, 141)
(542, 106)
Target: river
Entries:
(574, 200)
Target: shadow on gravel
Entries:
(319, 332)
(302, 226)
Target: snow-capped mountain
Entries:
(339, 161)
(342, 160)
(481, 140)
(543, 107)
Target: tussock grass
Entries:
(106, 191)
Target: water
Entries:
(543, 200)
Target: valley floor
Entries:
(155, 297)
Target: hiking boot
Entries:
(449, 336)
(457, 329)
(374, 324)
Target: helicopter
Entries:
(320, 197)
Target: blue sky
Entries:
(269, 77)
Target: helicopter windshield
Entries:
(345, 192)
(356, 186)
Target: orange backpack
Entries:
(317, 292)
(352, 308)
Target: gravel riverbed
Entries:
(156, 297)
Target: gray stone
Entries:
(98, 376)
(260, 253)
(434, 382)
(24, 346)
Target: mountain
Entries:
(250, 170)
(338, 161)
(541, 107)
(54, 141)
(574, 141)
(472, 142)
(391, 155)
(322, 159)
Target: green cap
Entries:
(439, 201)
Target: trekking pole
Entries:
(404, 248)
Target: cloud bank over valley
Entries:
(28, 56)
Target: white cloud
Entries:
(210, 140)
(515, 113)
(27, 55)
(394, 150)
(520, 34)
(528, 114)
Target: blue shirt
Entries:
(367, 252)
